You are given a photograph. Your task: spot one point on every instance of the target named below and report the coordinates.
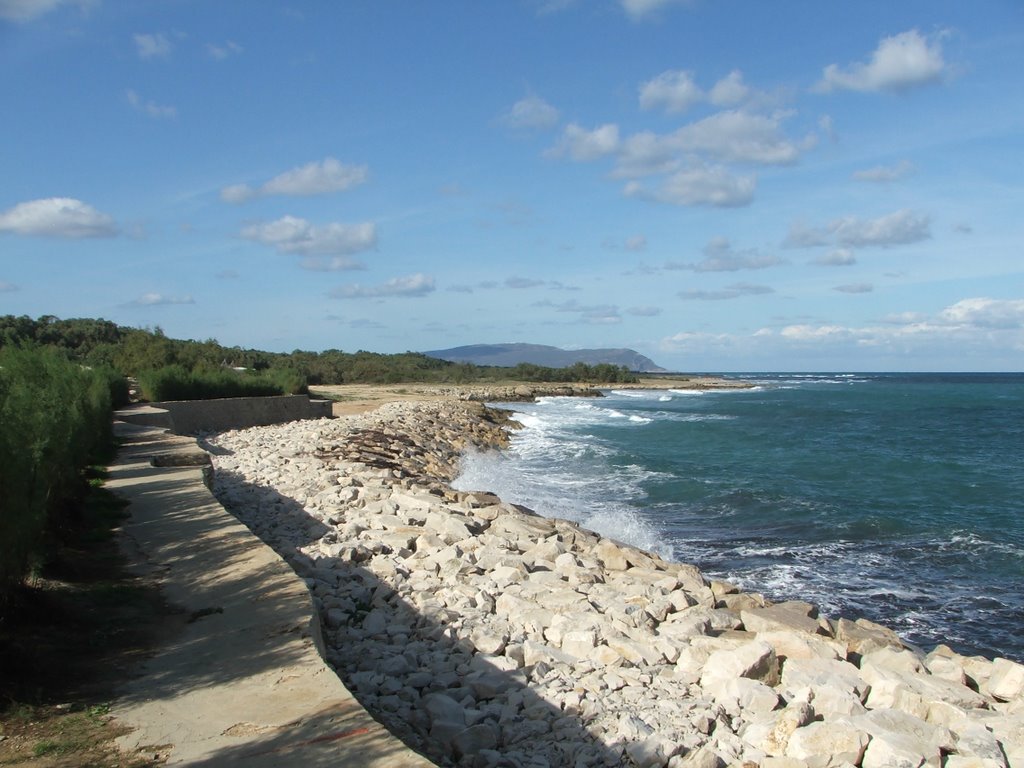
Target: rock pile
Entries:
(485, 635)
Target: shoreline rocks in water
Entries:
(485, 635)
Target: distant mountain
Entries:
(509, 355)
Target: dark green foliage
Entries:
(204, 368)
(54, 418)
(176, 382)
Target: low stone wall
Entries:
(188, 417)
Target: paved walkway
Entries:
(242, 683)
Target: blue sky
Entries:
(720, 185)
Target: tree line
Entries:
(142, 353)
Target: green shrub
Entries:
(174, 382)
(54, 417)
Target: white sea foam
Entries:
(556, 468)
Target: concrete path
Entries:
(242, 681)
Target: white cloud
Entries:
(221, 52)
(674, 90)
(815, 332)
(290, 234)
(699, 185)
(802, 236)
(638, 9)
(150, 108)
(583, 145)
(729, 90)
(7, 287)
(150, 46)
(883, 173)
(720, 256)
(900, 62)
(734, 291)
(410, 286)
(27, 10)
(738, 136)
(529, 113)
(316, 178)
(159, 299)
(855, 288)
(840, 257)
(985, 313)
(57, 217)
(898, 228)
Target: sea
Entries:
(894, 497)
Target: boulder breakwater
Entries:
(483, 634)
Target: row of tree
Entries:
(139, 352)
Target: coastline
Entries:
(476, 630)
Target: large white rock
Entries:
(755, 660)
(828, 745)
(1006, 681)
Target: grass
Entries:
(66, 635)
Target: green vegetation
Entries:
(55, 418)
(206, 369)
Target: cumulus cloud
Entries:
(27, 10)
(734, 291)
(806, 332)
(699, 185)
(676, 90)
(159, 299)
(151, 108)
(884, 173)
(316, 178)
(802, 236)
(582, 145)
(855, 288)
(57, 217)
(739, 136)
(673, 91)
(985, 313)
(409, 286)
(290, 234)
(729, 90)
(898, 228)
(840, 257)
(151, 46)
(530, 113)
(721, 256)
(899, 63)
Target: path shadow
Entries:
(415, 671)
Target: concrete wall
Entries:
(187, 417)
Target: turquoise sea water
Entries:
(898, 497)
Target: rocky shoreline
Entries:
(485, 635)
